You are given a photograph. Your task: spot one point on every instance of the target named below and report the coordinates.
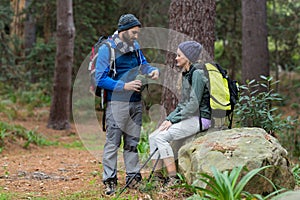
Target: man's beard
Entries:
(127, 39)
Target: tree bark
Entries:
(195, 19)
(60, 105)
(47, 23)
(22, 26)
(17, 27)
(29, 29)
(255, 55)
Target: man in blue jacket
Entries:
(124, 107)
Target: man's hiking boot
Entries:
(110, 187)
(135, 183)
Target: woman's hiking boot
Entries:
(158, 181)
(172, 181)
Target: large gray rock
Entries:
(250, 147)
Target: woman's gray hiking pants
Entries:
(183, 129)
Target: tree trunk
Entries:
(23, 24)
(195, 19)
(16, 27)
(255, 55)
(229, 26)
(60, 105)
(47, 22)
(29, 29)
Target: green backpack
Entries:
(224, 92)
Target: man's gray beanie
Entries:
(191, 50)
(128, 21)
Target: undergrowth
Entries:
(15, 132)
(257, 108)
(21, 102)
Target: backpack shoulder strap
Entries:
(112, 61)
(195, 67)
(112, 68)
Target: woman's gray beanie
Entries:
(191, 50)
(128, 21)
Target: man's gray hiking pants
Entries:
(122, 119)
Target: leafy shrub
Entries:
(16, 131)
(296, 173)
(40, 64)
(255, 107)
(229, 185)
(143, 146)
(14, 102)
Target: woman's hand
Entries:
(165, 125)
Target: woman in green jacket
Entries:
(191, 115)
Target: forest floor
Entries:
(66, 170)
(62, 171)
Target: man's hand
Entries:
(154, 74)
(133, 85)
(165, 125)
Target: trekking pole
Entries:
(130, 180)
(153, 169)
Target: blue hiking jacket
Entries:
(127, 67)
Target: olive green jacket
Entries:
(195, 97)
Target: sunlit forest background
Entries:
(30, 42)
(28, 45)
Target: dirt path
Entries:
(49, 171)
(56, 172)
